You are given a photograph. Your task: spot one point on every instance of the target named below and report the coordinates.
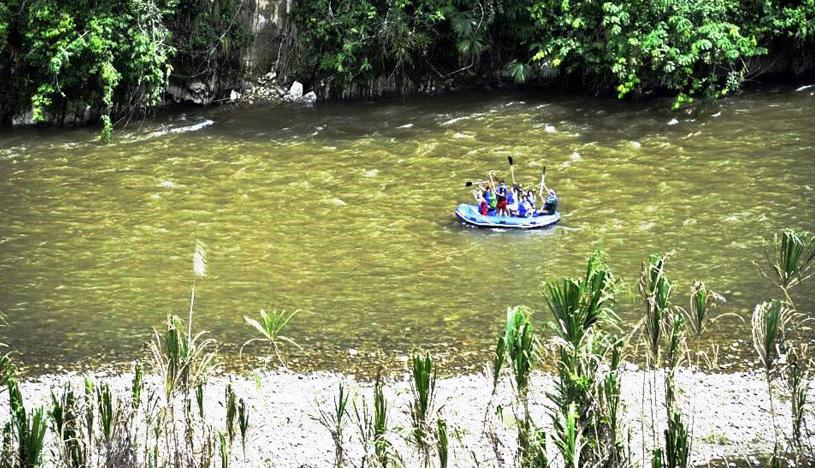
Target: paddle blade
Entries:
(544, 169)
(468, 184)
(509, 158)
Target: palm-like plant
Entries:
(798, 380)
(28, 429)
(770, 320)
(335, 420)
(380, 423)
(569, 437)
(577, 305)
(270, 326)
(703, 302)
(656, 291)
(423, 387)
(790, 259)
(519, 344)
(184, 361)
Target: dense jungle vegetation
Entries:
(118, 57)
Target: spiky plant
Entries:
(673, 355)
(380, 422)
(770, 320)
(677, 444)
(183, 361)
(656, 291)
(6, 369)
(568, 436)
(199, 399)
(230, 401)
(582, 310)
(498, 358)
(423, 387)
(89, 400)
(243, 422)
(577, 305)
(442, 443)
(335, 420)
(519, 341)
(798, 381)
(537, 457)
(27, 430)
(703, 302)
(137, 385)
(223, 449)
(270, 326)
(108, 411)
(790, 259)
(66, 423)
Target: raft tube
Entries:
(469, 214)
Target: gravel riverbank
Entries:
(729, 413)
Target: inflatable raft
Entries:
(469, 214)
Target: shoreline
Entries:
(728, 412)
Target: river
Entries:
(344, 212)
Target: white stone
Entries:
(309, 98)
(234, 95)
(296, 90)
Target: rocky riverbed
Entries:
(728, 412)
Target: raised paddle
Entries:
(540, 192)
(511, 169)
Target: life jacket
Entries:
(523, 209)
(493, 201)
(483, 208)
(510, 197)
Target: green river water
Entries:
(344, 211)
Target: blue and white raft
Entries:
(469, 214)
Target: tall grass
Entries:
(569, 436)
(101, 427)
(656, 291)
(586, 397)
(423, 389)
(798, 381)
(380, 423)
(770, 321)
(335, 420)
(26, 430)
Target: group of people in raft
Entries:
(513, 200)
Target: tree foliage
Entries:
(689, 48)
(114, 58)
(107, 57)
